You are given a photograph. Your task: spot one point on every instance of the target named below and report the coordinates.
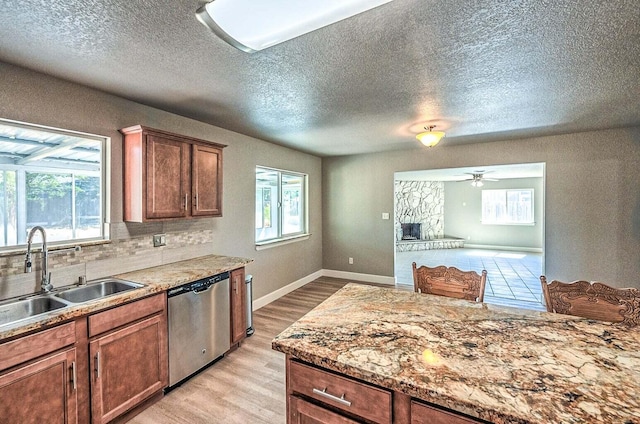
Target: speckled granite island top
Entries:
(155, 280)
(504, 365)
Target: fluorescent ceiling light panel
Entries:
(252, 25)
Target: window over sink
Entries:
(53, 178)
(281, 205)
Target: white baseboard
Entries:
(380, 279)
(509, 248)
(275, 295)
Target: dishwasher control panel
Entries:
(199, 285)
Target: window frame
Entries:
(104, 176)
(281, 238)
(506, 191)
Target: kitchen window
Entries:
(281, 205)
(508, 207)
(51, 178)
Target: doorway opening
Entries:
(475, 218)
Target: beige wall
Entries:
(36, 98)
(463, 213)
(592, 195)
(592, 202)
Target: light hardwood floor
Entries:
(248, 385)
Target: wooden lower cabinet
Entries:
(344, 396)
(128, 365)
(93, 369)
(422, 413)
(318, 396)
(303, 412)
(43, 391)
(238, 306)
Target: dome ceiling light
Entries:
(430, 138)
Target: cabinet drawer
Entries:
(348, 395)
(29, 347)
(425, 414)
(302, 412)
(121, 315)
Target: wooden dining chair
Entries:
(450, 282)
(592, 300)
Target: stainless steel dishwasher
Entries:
(199, 325)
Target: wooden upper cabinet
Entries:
(207, 197)
(167, 181)
(170, 176)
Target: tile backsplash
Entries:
(131, 248)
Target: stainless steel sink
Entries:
(97, 290)
(18, 310)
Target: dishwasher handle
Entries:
(202, 290)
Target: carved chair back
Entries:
(593, 300)
(450, 282)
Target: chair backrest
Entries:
(593, 300)
(450, 282)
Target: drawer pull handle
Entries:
(74, 375)
(324, 393)
(97, 365)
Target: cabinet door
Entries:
(127, 366)
(41, 392)
(167, 178)
(238, 305)
(206, 174)
(303, 412)
(425, 414)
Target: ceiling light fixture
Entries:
(477, 183)
(251, 25)
(430, 138)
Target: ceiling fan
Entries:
(477, 178)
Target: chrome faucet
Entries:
(46, 275)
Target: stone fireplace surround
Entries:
(419, 207)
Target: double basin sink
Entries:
(17, 310)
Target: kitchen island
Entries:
(484, 362)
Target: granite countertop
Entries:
(156, 279)
(504, 365)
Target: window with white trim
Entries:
(281, 203)
(508, 207)
(52, 178)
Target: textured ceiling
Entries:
(480, 71)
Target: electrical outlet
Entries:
(385, 215)
(350, 261)
(159, 240)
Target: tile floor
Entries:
(513, 278)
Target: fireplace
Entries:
(411, 231)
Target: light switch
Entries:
(385, 215)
